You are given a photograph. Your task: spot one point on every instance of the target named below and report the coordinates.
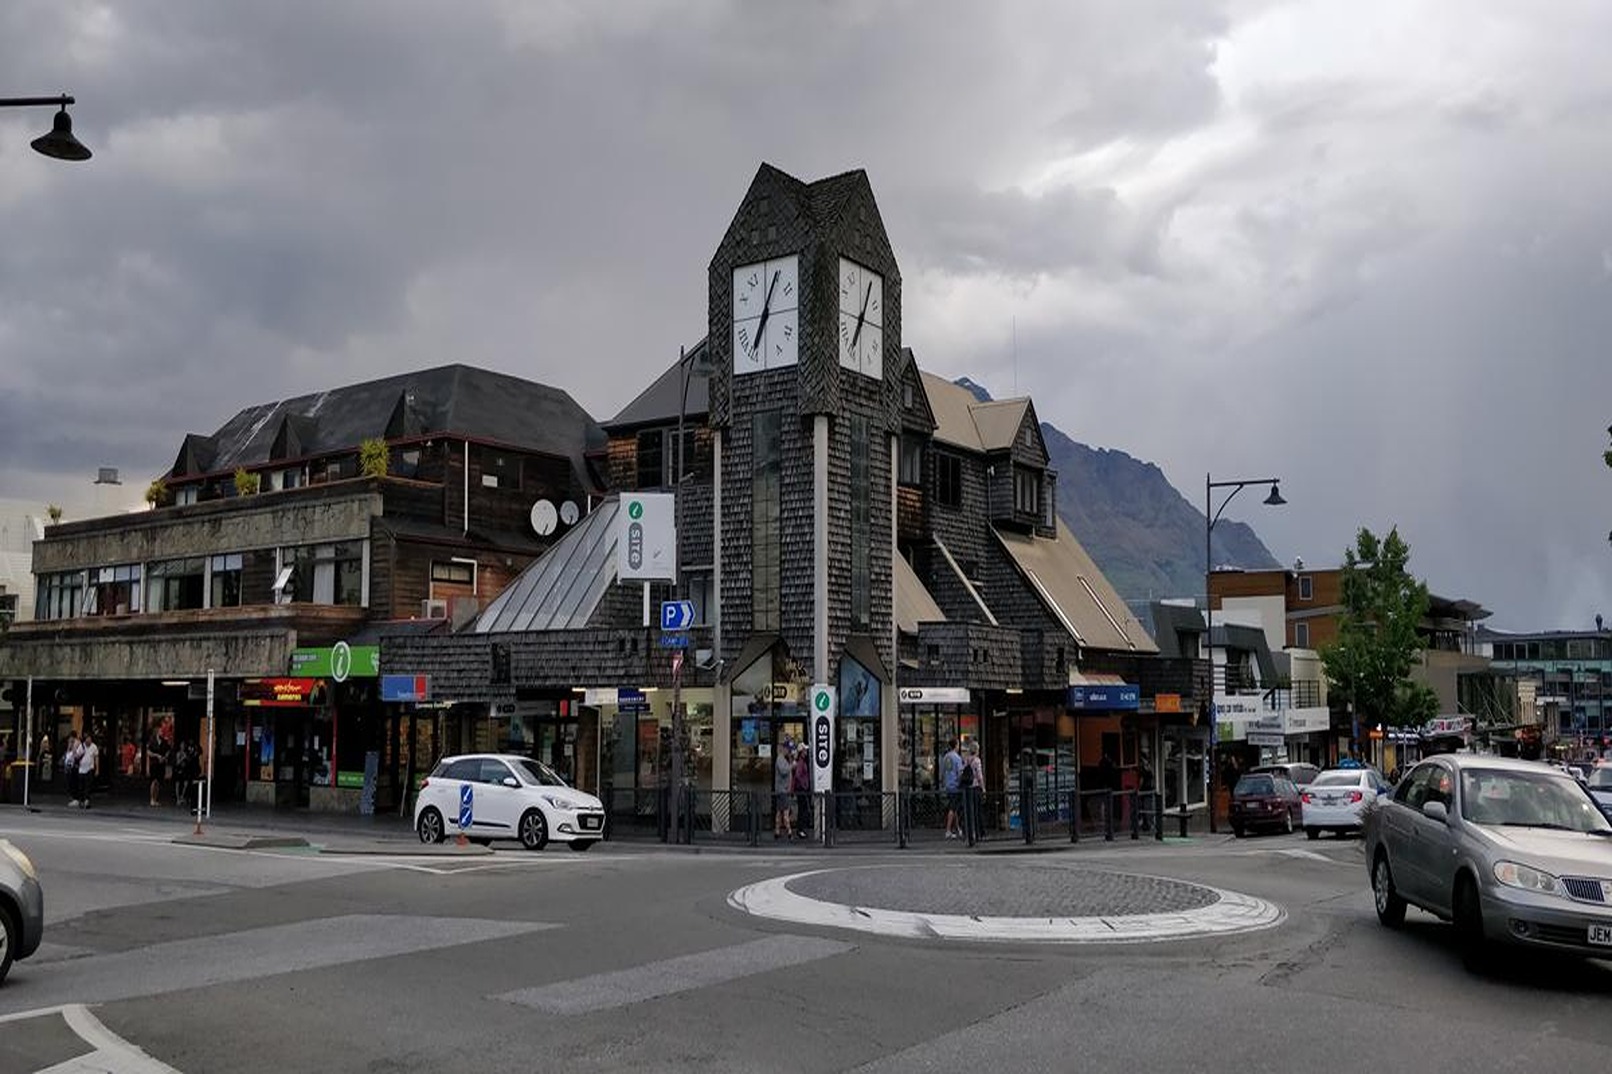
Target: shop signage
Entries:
(339, 662)
(822, 737)
(405, 688)
(1167, 703)
(1308, 721)
(279, 693)
(934, 695)
(785, 691)
(676, 614)
(1448, 725)
(1105, 697)
(1266, 738)
(354, 780)
(646, 538)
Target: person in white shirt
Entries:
(89, 756)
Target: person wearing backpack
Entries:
(972, 780)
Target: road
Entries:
(163, 957)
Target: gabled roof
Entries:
(659, 403)
(1071, 587)
(454, 399)
(963, 421)
(1167, 622)
(562, 590)
(914, 605)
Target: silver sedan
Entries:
(22, 907)
(1510, 851)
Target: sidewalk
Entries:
(233, 815)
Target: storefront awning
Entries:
(914, 605)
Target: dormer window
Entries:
(1026, 491)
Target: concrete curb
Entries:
(401, 849)
(240, 841)
(1232, 913)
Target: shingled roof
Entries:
(451, 400)
(659, 403)
(963, 421)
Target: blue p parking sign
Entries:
(466, 805)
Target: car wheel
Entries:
(534, 830)
(1237, 830)
(1390, 907)
(9, 939)
(581, 844)
(1468, 918)
(1312, 833)
(430, 828)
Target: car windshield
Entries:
(1601, 779)
(1338, 779)
(536, 772)
(1255, 785)
(1529, 800)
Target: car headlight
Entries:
(556, 801)
(1527, 878)
(20, 858)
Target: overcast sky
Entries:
(1364, 247)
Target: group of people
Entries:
(962, 779)
(81, 763)
(792, 792)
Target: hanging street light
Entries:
(60, 143)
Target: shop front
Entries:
(931, 718)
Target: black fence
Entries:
(907, 818)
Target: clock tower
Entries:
(805, 337)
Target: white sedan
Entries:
(505, 796)
(1600, 787)
(1337, 799)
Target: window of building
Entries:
(186, 494)
(325, 573)
(1301, 635)
(906, 394)
(1306, 587)
(226, 585)
(948, 479)
(60, 595)
(113, 590)
(698, 590)
(861, 583)
(912, 460)
(499, 469)
(8, 607)
(658, 462)
(766, 435)
(292, 478)
(175, 584)
(1026, 491)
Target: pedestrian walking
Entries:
(800, 781)
(89, 759)
(70, 757)
(972, 782)
(951, 771)
(158, 760)
(47, 760)
(783, 770)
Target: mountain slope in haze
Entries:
(1145, 535)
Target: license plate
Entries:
(1329, 799)
(590, 823)
(1601, 935)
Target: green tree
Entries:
(374, 457)
(1377, 642)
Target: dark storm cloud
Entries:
(1364, 246)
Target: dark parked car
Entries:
(22, 907)
(1301, 773)
(1265, 800)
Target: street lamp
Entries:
(698, 364)
(1209, 520)
(59, 143)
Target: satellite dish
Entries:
(569, 513)
(544, 518)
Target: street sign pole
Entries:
(677, 744)
(28, 742)
(212, 742)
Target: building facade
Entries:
(272, 565)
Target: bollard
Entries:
(901, 820)
(1182, 817)
(1158, 817)
(1108, 816)
(1136, 815)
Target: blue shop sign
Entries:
(1107, 698)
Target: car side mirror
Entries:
(511, 781)
(1437, 810)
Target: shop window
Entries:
(59, 595)
(226, 585)
(948, 479)
(175, 584)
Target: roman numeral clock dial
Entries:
(766, 315)
(861, 328)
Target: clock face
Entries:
(861, 319)
(766, 315)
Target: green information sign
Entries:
(339, 662)
(350, 779)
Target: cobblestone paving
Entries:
(1003, 890)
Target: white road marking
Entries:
(1234, 912)
(228, 958)
(112, 1054)
(605, 991)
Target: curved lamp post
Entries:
(60, 142)
(1273, 500)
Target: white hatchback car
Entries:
(1337, 798)
(506, 796)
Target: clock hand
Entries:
(766, 309)
(863, 316)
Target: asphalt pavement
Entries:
(165, 956)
